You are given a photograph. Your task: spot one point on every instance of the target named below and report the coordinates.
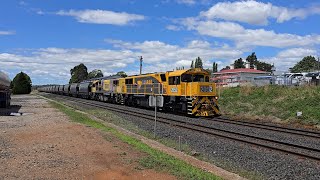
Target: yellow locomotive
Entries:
(187, 91)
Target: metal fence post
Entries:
(179, 143)
(155, 112)
(155, 117)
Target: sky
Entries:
(46, 39)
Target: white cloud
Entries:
(254, 12)
(173, 27)
(54, 64)
(248, 37)
(296, 53)
(40, 12)
(22, 3)
(102, 16)
(7, 32)
(156, 51)
(288, 58)
(188, 2)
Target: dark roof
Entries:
(104, 78)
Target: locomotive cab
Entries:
(194, 93)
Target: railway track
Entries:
(276, 128)
(303, 151)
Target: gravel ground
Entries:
(44, 144)
(245, 159)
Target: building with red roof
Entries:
(234, 77)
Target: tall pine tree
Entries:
(198, 63)
(192, 65)
(214, 67)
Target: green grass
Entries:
(155, 158)
(274, 102)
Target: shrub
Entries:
(21, 84)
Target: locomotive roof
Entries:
(145, 74)
(103, 78)
(187, 71)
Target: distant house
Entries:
(234, 77)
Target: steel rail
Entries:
(268, 127)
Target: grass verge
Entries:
(276, 103)
(155, 159)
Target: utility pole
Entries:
(318, 64)
(141, 64)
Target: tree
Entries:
(214, 67)
(209, 71)
(192, 65)
(78, 73)
(11, 85)
(122, 74)
(198, 63)
(21, 84)
(263, 66)
(308, 63)
(225, 68)
(239, 63)
(252, 59)
(96, 73)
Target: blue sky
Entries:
(46, 39)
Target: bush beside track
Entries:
(272, 103)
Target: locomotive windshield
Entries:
(186, 78)
(194, 78)
(198, 78)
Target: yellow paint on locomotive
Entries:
(195, 86)
(120, 87)
(137, 84)
(176, 87)
(106, 85)
(94, 86)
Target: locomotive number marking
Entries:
(174, 90)
(205, 89)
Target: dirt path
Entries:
(46, 145)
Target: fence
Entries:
(272, 80)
